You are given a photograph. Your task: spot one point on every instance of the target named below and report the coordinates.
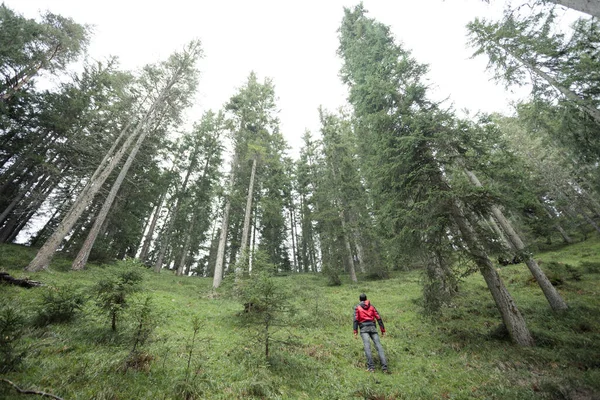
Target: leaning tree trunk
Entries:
(247, 216)
(348, 248)
(556, 301)
(46, 252)
(148, 239)
(292, 235)
(566, 238)
(162, 249)
(591, 7)
(186, 247)
(21, 79)
(591, 110)
(513, 320)
(218, 274)
(86, 248)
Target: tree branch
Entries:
(44, 394)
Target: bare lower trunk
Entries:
(294, 259)
(554, 299)
(591, 7)
(513, 320)
(158, 264)
(148, 239)
(295, 233)
(84, 253)
(566, 238)
(247, 217)
(186, 247)
(218, 275)
(589, 220)
(360, 253)
(15, 201)
(46, 252)
(591, 110)
(348, 249)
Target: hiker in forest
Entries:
(365, 316)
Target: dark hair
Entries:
(362, 297)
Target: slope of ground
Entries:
(461, 354)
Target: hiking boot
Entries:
(370, 370)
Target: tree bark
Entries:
(148, 239)
(218, 274)
(247, 215)
(554, 299)
(348, 248)
(84, 253)
(292, 232)
(186, 247)
(46, 252)
(162, 249)
(570, 95)
(566, 238)
(591, 7)
(513, 320)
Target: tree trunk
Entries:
(86, 248)
(556, 301)
(162, 249)
(589, 220)
(591, 7)
(348, 248)
(46, 252)
(294, 259)
(570, 95)
(360, 253)
(499, 233)
(566, 238)
(27, 74)
(218, 275)
(15, 201)
(148, 239)
(247, 215)
(186, 247)
(513, 320)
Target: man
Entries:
(365, 316)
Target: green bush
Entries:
(590, 267)
(113, 293)
(266, 302)
(559, 273)
(59, 305)
(12, 325)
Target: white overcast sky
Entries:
(292, 42)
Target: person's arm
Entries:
(355, 323)
(379, 321)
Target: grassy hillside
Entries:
(459, 355)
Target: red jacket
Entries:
(366, 315)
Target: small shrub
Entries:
(12, 325)
(333, 278)
(59, 305)
(591, 267)
(113, 293)
(145, 323)
(188, 390)
(138, 361)
(500, 332)
(266, 301)
(574, 273)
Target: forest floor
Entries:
(460, 354)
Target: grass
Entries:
(458, 355)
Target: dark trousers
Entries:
(367, 337)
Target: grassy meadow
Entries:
(460, 354)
